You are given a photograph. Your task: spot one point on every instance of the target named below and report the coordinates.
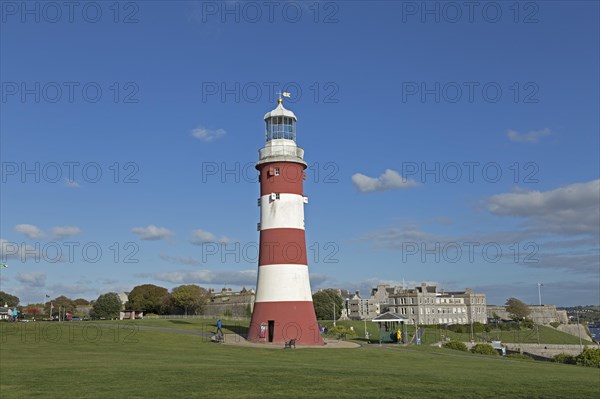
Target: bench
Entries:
(289, 344)
(217, 338)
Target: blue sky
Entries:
(426, 131)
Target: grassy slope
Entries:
(548, 335)
(156, 364)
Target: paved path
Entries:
(237, 340)
(232, 339)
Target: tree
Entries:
(517, 309)
(190, 298)
(9, 300)
(149, 298)
(34, 309)
(106, 306)
(62, 302)
(324, 301)
(81, 302)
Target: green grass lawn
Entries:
(82, 360)
(548, 335)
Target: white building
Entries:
(425, 305)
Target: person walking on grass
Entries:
(219, 326)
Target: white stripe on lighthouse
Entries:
(283, 283)
(285, 212)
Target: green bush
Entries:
(564, 358)
(590, 357)
(478, 327)
(555, 324)
(456, 345)
(340, 330)
(519, 356)
(527, 323)
(457, 328)
(151, 316)
(508, 326)
(484, 349)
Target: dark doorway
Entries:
(271, 330)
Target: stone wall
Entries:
(544, 314)
(545, 350)
(576, 330)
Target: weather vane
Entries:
(284, 94)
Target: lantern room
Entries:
(280, 124)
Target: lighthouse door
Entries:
(271, 330)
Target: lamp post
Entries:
(334, 314)
(579, 331)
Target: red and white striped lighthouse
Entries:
(283, 308)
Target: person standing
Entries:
(10, 314)
(219, 327)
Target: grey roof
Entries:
(280, 111)
(388, 316)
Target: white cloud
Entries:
(71, 183)
(65, 231)
(29, 230)
(208, 135)
(242, 277)
(570, 209)
(32, 279)
(181, 260)
(152, 232)
(532, 136)
(562, 292)
(389, 180)
(72, 290)
(200, 237)
(399, 237)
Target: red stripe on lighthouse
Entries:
(289, 180)
(279, 246)
(292, 320)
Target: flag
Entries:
(286, 94)
(3, 265)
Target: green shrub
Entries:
(555, 324)
(590, 357)
(484, 349)
(478, 327)
(519, 356)
(456, 345)
(457, 328)
(527, 323)
(340, 330)
(508, 326)
(150, 316)
(564, 358)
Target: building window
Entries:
(276, 171)
(277, 196)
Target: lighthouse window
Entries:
(276, 171)
(280, 127)
(277, 196)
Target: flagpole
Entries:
(540, 293)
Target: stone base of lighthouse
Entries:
(278, 322)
